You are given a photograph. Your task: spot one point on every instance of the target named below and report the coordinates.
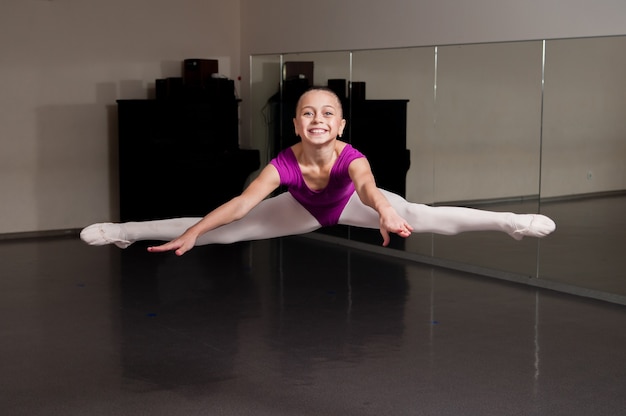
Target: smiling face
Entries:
(319, 117)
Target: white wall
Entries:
(297, 26)
(63, 64)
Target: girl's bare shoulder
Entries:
(339, 146)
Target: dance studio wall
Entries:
(63, 65)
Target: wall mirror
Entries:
(532, 126)
(487, 141)
(583, 175)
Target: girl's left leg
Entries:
(448, 220)
(279, 216)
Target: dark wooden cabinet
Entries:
(378, 130)
(179, 157)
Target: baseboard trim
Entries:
(73, 232)
(532, 198)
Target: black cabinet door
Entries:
(179, 158)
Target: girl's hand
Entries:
(370, 195)
(391, 222)
(181, 245)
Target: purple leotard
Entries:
(327, 204)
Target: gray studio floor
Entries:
(292, 327)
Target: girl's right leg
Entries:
(448, 220)
(273, 217)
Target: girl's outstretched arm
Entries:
(233, 210)
(370, 195)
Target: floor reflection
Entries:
(180, 316)
(288, 327)
(334, 305)
(588, 249)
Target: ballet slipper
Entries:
(539, 226)
(102, 234)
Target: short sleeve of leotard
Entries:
(288, 169)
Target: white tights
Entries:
(283, 215)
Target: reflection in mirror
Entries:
(483, 130)
(477, 142)
(584, 163)
(487, 145)
(398, 80)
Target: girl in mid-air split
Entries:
(328, 182)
